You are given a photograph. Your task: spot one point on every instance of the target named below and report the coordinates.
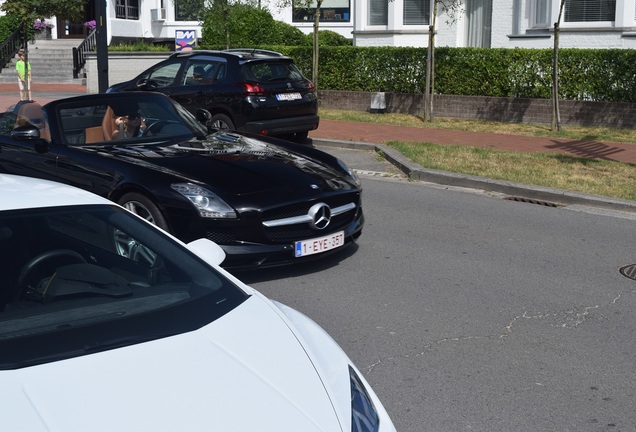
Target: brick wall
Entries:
(573, 113)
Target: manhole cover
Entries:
(629, 271)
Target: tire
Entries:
(221, 122)
(144, 208)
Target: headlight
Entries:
(364, 417)
(349, 171)
(207, 203)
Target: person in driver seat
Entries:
(130, 126)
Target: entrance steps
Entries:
(51, 63)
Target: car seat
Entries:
(104, 132)
(108, 124)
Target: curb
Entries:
(513, 190)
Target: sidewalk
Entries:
(41, 93)
(380, 134)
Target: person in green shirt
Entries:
(25, 88)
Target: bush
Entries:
(607, 75)
(287, 34)
(327, 38)
(249, 26)
(138, 46)
(8, 24)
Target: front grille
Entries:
(222, 237)
(301, 231)
(299, 209)
(304, 231)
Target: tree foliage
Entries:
(247, 26)
(29, 10)
(8, 24)
(251, 26)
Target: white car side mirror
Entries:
(208, 250)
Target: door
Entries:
(75, 29)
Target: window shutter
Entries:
(416, 12)
(590, 10)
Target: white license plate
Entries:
(288, 96)
(319, 244)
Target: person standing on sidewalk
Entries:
(24, 76)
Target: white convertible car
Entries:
(109, 324)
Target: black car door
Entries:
(203, 83)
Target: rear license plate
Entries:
(288, 96)
(319, 244)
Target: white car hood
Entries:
(244, 372)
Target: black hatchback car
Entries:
(249, 90)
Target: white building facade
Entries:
(148, 19)
(478, 23)
(498, 23)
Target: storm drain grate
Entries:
(629, 271)
(531, 201)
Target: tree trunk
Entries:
(430, 68)
(429, 64)
(556, 114)
(314, 71)
(226, 24)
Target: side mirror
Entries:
(208, 250)
(27, 132)
(203, 116)
(30, 133)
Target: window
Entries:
(378, 12)
(204, 72)
(590, 10)
(478, 23)
(330, 10)
(540, 13)
(416, 12)
(189, 10)
(127, 9)
(164, 75)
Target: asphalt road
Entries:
(468, 312)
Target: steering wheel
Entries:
(152, 125)
(33, 263)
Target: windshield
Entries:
(131, 118)
(78, 280)
(271, 71)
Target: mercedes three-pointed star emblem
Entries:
(320, 216)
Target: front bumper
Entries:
(283, 126)
(251, 256)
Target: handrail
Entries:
(10, 46)
(79, 57)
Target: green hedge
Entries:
(600, 75)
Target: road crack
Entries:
(566, 319)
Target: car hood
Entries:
(241, 164)
(246, 371)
